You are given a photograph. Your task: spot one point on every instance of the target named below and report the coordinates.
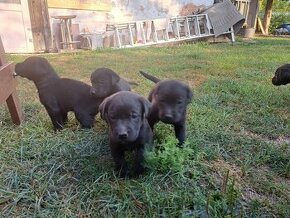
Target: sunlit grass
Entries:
(238, 136)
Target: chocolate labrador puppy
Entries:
(169, 103)
(106, 82)
(59, 95)
(126, 114)
(282, 75)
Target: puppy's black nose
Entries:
(274, 81)
(123, 135)
(93, 91)
(168, 117)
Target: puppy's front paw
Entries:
(139, 170)
(180, 145)
(123, 172)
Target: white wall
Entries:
(87, 20)
(126, 10)
(15, 27)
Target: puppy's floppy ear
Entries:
(189, 94)
(146, 106)
(103, 109)
(280, 73)
(17, 68)
(115, 79)
(285, 70)
(150, 97)
(278, 70)
(153, 95)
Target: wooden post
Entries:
(40, 25)
(260, 25)
(8, 88)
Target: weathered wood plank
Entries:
(14, 107)
(8, 88)
(7, 83)
(3, 59)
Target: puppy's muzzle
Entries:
(279, 79)
(123, 136)
(167, 118)
(274, 81)
(93, 91)
(122, 133)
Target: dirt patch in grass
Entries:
(251, 190)
(195, 80)
(250, 194)
(281, 140)
(220, 169)
(265, 170)
(277, 141)
(259, 191)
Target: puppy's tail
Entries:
(133, 83)
(150, 77)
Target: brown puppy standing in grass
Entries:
(126, 114)
(60, 95)
(106, 82)
(169, 103)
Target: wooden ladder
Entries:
(191, 26)
(117, 28)
(183, 28)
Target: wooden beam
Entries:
(260, 25)
(3, 59)
(14, 108)
(8, 84)
(8, 88)
(40, 25)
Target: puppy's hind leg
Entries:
(56, 118)
(86, 120)
(64, 117)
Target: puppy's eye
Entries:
(134, 116)
(112, 117)
(179, 102)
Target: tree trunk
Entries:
(267, 16)
(253, 13)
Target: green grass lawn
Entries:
(236, 161)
